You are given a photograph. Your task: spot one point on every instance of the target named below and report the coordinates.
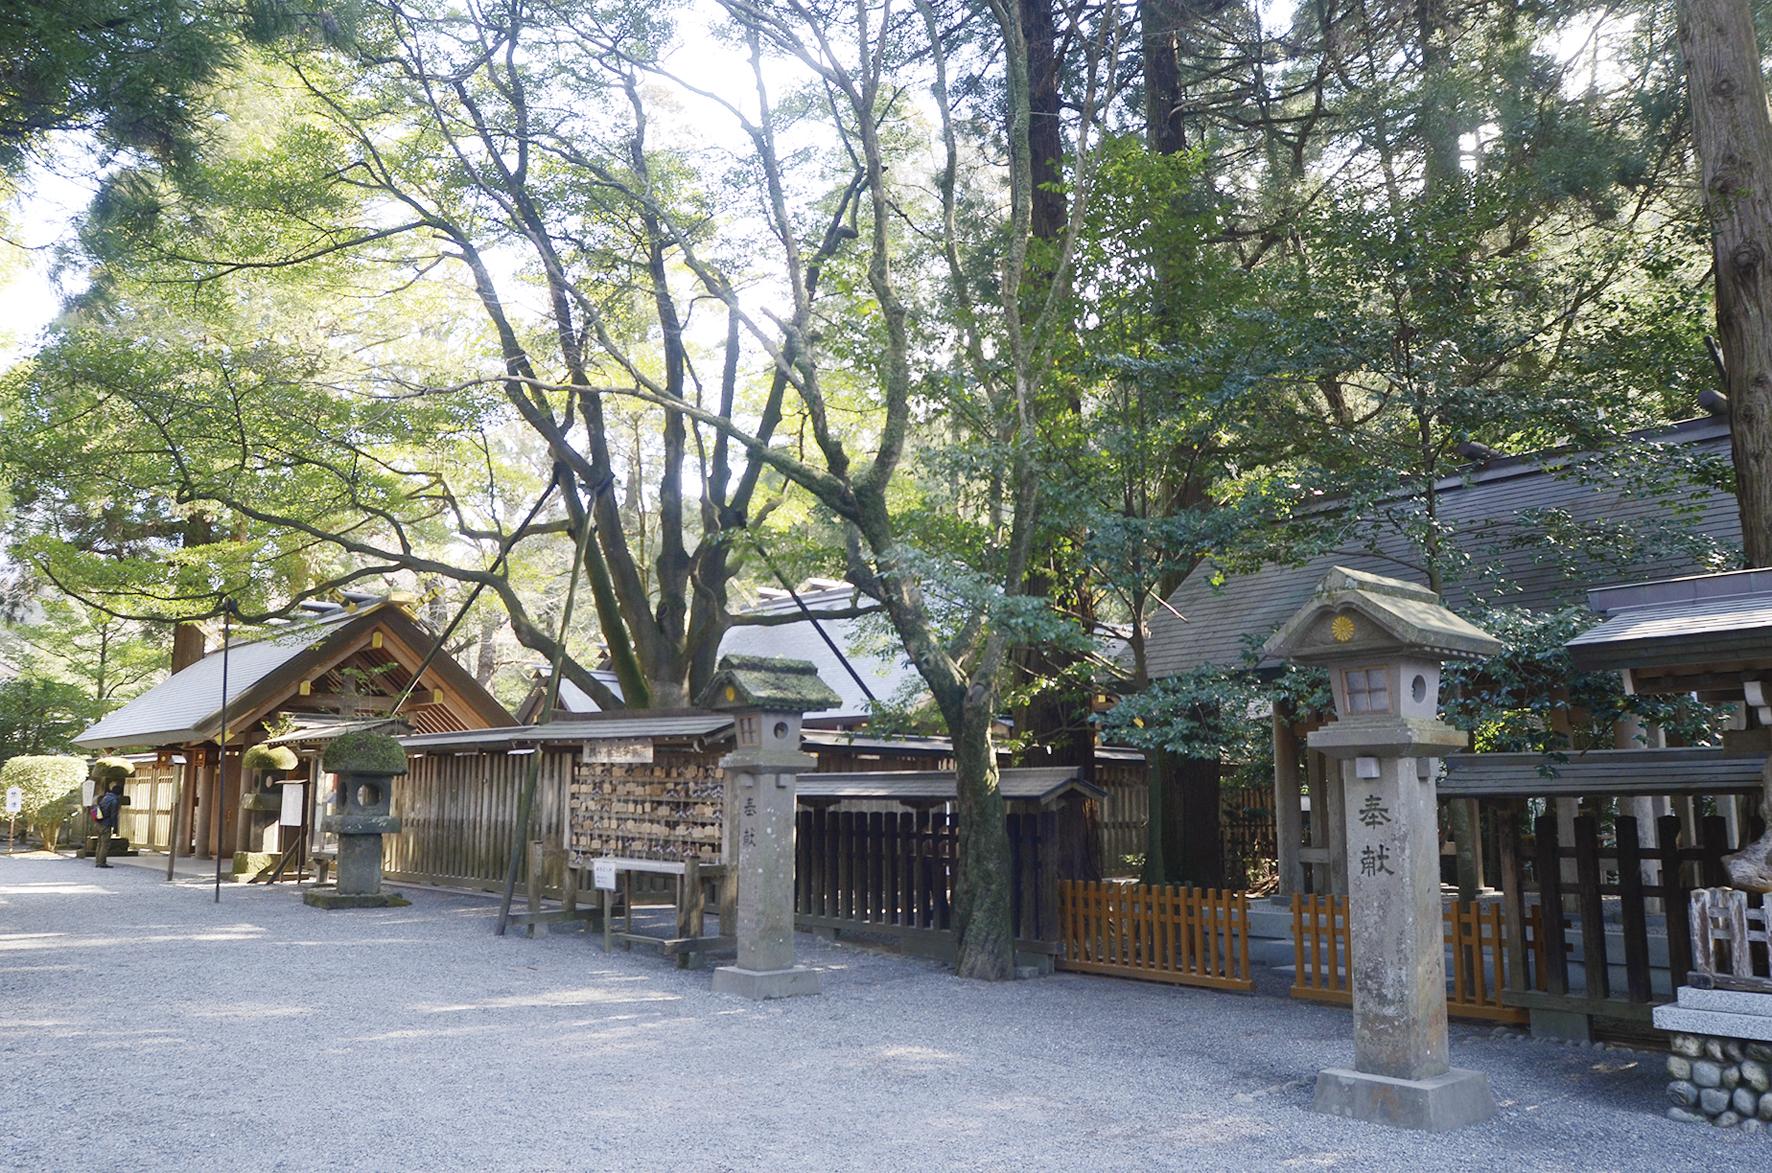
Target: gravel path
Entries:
(265, 1034)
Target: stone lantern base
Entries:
(767, 983)
(1439, 1103)
(328, 896)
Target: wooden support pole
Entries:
(1288, 805)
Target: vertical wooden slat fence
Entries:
(1614, 870)
(1476, 934)
(1159, 933)
(892, 874)
(458, 813)
(147, 820)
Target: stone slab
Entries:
(1686, 1020)
(769, 983)
(332, 898)
(1725, 1001)
(1439, 1103)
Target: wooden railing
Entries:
(1476, 934)
(1188, 936)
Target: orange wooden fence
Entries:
(1476, 934)
(1188, 936)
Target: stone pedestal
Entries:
(1720, 1062)
(763, 794)
(767, 698)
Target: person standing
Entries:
(109, 804)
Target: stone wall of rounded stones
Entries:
(1724, 1082)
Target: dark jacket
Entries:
(108, 805)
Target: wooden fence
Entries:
(1246, 828)
(458, 812)
(1187, 936)
(1475, 933)
(1613, 870)
(892, 874)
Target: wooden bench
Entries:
(690, 945)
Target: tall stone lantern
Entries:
(1383, 642)
(767, 698)
(364, 764)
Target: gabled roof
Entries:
(267, 671)
(1487, 509)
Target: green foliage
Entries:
(273, 758)
(39, 716)
(46, 779)
(364, 752)
(1530, 699)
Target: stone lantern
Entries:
(1383, 641)
(364, 765)
(766, 698)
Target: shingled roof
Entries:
(1488, 509)
(267, 671)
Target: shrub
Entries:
(51, 785)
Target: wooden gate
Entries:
(1188, 936)
(1476, 934)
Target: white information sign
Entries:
(15, 800)
(290, 815)
(603, 874)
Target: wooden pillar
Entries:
(1319, 833)
(1335, 815)
(203, 821)
(1288, 807)
(1466, 826)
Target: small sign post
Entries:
(603, 874)
(15, 802)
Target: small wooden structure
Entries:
(1731, 942)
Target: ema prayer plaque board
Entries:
(671, 809)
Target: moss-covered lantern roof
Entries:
(364, 752)
(764, 682)
(1355, 614)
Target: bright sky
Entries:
(51, 194)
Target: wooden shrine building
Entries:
(343, 664)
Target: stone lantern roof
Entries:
(1401, 617)
(764, 682)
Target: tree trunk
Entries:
(187, 645)
(1733, 135)
(1162, 79)
(1045, 140)
(486, 655)
(985, 934)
